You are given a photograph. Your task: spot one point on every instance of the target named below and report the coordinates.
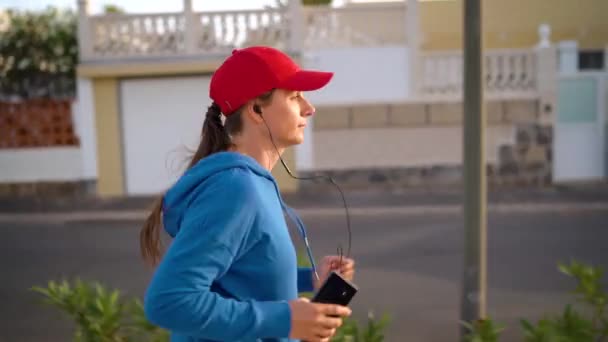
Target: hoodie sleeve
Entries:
(179, 299)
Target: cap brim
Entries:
(307, 80)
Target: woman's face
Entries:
(287, 116)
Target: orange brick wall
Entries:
(36, 123)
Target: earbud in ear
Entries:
(257, 109)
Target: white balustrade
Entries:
(144, 35)
(220, 31)
(120, 35)
(507, 73)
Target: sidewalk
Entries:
(400, 211)
(329, 201)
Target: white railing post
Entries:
(296, 28)
(189, 28)
(546, 76)
(85, 38)
(412, 27)
(568, 56)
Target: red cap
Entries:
(253, 71)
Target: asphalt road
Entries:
(408, 265)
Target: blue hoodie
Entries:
(231, 268)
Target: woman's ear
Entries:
(253, 111)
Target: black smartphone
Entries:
(335, 290)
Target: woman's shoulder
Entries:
(235, 182)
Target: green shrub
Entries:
(373, 331)
(483, 330)
(100, 314)
(570, 325)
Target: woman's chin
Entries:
(296, 140)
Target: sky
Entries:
(145, 6)
(141, 6)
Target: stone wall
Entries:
(529, 160)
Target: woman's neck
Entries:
(265, 154)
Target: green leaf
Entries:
(40, 290)
(467, 325)
(565, 269)
(114, 298)
(527, 326)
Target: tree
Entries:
(113, 9)
(283, 3)
(316, 2)
(38, 54)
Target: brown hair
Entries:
(215, 137)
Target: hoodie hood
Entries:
(178, 197)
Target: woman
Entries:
(230, 273)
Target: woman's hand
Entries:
(315, 322)
(332, 263)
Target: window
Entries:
(591, 60)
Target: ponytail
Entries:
(214, 138)
(149, 237)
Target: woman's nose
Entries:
(309, 109)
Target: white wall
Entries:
(83, 115)
(362, 75)
(161, 120)
(40, 164)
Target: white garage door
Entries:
(161, 124)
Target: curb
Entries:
(410, 210)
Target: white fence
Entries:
(113, 36)
(507, 74)
(172, 34)
(121, 36)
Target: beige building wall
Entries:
(514, 23)
(110, 180)
(506, 23)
